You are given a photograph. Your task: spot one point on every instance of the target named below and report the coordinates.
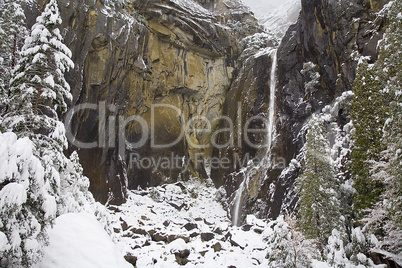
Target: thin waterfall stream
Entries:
(236, 218)
(271, 110)
(238, 199)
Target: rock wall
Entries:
(322, 45)
(330, 35)
(147, 73)
(169, 71)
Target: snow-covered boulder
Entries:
(78, 240)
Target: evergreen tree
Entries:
(12, 35)
(39, 92)
(385, 218)
(288, 247)
(45, 183)
(369, 112)
(391, 58)
(39, 89)
(319, 206)
(26, 206)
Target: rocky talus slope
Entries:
(186, 224)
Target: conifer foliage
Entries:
(369, 113)
(385, 216)
(38, 182)
(39, 89)
(12, 34)
(319, 206)
(370, 166)
(288, 246)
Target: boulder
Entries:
(131, 259)
(190, 226)
(207, 236)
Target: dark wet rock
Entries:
(181, 255)
(171, 238)
(207, 236)
(217, 247)
(177, 205)
(246, 227)
(207, 222)
(227, 236)
(194, 234)
(139, 231)
(203, 252)
(258, 230)
(131, 259)
(146, 243)
(217, 231)
(124, 225)
(237, 243)
(190, 226)
(114, 209)
(144, 218)
(383, 257)
(157, 236)
(182, 187)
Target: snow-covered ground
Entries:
(78, 240)
(175, 225)
(166, 226)
(185, 223)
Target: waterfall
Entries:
(236, 218)
(271, 110)
(238, 199)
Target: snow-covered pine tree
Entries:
(391, 56)
(288, 247)
(385, 217)
(319, 207)
(48, 183)
(12, 34)
(39, 92)
(370, 111)
(25, 204)
(38, 87)
(335, 250)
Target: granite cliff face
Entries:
(148, 71)
(161, 71)
(329, 35)
(316, 63)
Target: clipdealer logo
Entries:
(109, 123)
